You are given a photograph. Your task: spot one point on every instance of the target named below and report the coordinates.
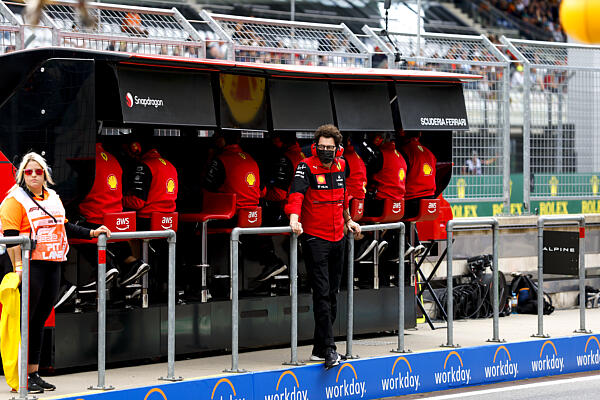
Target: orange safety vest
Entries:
(50, 236)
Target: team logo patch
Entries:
(365, 187)
(339, 166)
(250, 178)
(170, 186)
(162, 161)
(402, 175)
(420, 148)
(104, 156)
(112, 182)
(397, 154)
(242, 155)
(321, 179)
(427, 170)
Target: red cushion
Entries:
(429, 210)
(120, 222)
(163, 221)
(393, 210)
(357, 208)
(214, 206)
(249, 217)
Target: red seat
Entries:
(214, 206)
(357, 208)
(160, 221)
(116, 222)
(393, 210)
(436, 229)
(249, 217)
(429, 209)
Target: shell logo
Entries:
(321, 179)
(250, 179)
(112, 182)
(104, 156)
(170, 185)
(427, 170)
(129, 99)
(162, 161)
(402, 175)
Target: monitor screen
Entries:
(363, 106)
(243, 102)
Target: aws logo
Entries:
(456, 372)
(593, 357)
(503, 367)
(344, 388)
(227, 393)
(283, 391)
(551, 361)
(112, 182)
(397, 207)
(404, 380)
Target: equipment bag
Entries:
(527, 292)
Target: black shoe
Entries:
(138, 269)
(271, 271)
(35, 382)
(320, 356)
(332, 358)
(67, 293)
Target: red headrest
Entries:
(429, 209)
(250, 217)
(393, 210)
(120, 222)
(162, 221)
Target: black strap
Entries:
(38, 204)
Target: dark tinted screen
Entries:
(363, 107)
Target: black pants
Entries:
(44, 281)
(324, 261)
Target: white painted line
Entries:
(462, 395)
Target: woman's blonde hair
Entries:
(33, 156)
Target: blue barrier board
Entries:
(374, 378)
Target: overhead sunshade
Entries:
(299, 105)
(363, 107)
(243, 102)
(432, 107)
(173, 98)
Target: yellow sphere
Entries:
(580, 19)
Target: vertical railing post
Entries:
(101, 285)
(171, 314)
(350, 300)
(449, 283)
(582, 297)
(234, 257)
(145, 246)
(540, 273)
(495, 283)
(24, 348)
(401, 288)
(294, 300)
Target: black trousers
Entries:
(324, 260)
(44, 282)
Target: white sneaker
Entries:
(408, 251)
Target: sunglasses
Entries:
(38, 171)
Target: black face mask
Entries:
(326, 156)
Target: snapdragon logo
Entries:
(404, 381)
(456, 374)
(132, 100)
(346, 388)
(504, 367)
(225, 391)
(285, 392)
(593, 357)
(548, 363)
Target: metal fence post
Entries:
(495, 283)
(294, 300)
(24, 348)
(145, 245)
(234, 256)
(350, 300)
(449, 284)
(171, 314)
(401, 283)
(582, 297)
(540, 273)
(101, 285)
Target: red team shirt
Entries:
(356, 182)
(421, 171)
(241, 177)
(391, 179)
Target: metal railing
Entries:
(487, 105)
(101, 244)
(580, 220)
(11, 31)
(26, 245)
(288, 42)
(450, 228)
(561, 148)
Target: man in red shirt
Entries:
(318, 206)
(356, 175)
(235, 171)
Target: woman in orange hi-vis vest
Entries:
(32, 209)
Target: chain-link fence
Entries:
(561, 145)
(123, 28)
(11, 32)
(287, 42)
(481, 155)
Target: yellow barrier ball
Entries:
(581, 20)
